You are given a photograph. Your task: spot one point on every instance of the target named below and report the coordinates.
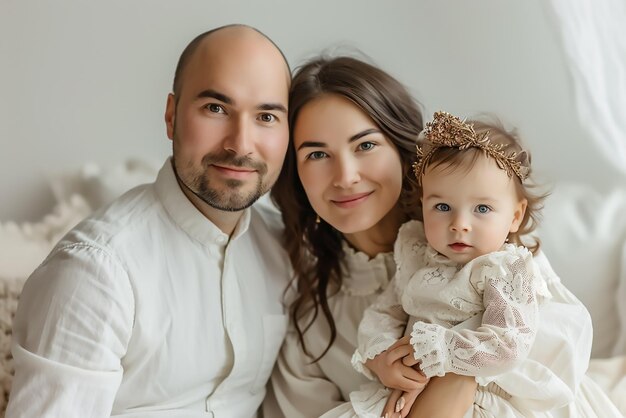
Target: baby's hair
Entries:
(450, 159)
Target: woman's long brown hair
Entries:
(315, 249)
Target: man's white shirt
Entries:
(147, 309)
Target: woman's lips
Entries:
(351, 201)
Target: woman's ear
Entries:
(518, 215)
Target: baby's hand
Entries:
(392, 372)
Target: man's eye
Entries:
(442, 207)
(267, 117)
(483, 209)
(215, 108)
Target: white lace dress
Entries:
(430, 295)
(551, 379)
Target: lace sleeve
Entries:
(382, 325)
(508, 327)
(384, 321)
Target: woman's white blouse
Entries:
(305, 389)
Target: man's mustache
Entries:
(235, 161)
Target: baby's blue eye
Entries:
(483, 209)
(442, 207)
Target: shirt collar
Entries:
(187, 216)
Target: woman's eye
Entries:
(366, 146)
(267, 117)
(316, 155)
(442, 207)
(215, 108)
(483, 209)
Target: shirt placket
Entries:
(231, 316)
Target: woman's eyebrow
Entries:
(311, 144)
(363, 133)
(317, 144)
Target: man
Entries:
(168, 303)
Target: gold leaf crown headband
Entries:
(448, 131)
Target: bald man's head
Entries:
(227, 118)
(229, 32)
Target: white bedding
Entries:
(610, 374)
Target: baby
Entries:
(466, 260)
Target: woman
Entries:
(344, 191)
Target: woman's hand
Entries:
(399, 403)
(392, 372)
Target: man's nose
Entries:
(239, 139)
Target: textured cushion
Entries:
(583, 233)
(24, 246)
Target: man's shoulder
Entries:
(122, 217)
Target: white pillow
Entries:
(23, 247)
(583, 234)
(100, 186)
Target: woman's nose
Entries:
(347, 173)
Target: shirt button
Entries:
(221, 240)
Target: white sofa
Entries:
(583, 234)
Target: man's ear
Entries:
(518, 215)
(170, 115)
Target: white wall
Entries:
(86, 81)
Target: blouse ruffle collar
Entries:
(363, 275)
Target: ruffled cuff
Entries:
(359, 359)
(429, 348)
(369, 400)
(358, 362)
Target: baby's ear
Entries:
(518, 215)
(524, 159)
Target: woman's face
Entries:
(351, 172)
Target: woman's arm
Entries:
(382, 325)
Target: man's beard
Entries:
(230, 199)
